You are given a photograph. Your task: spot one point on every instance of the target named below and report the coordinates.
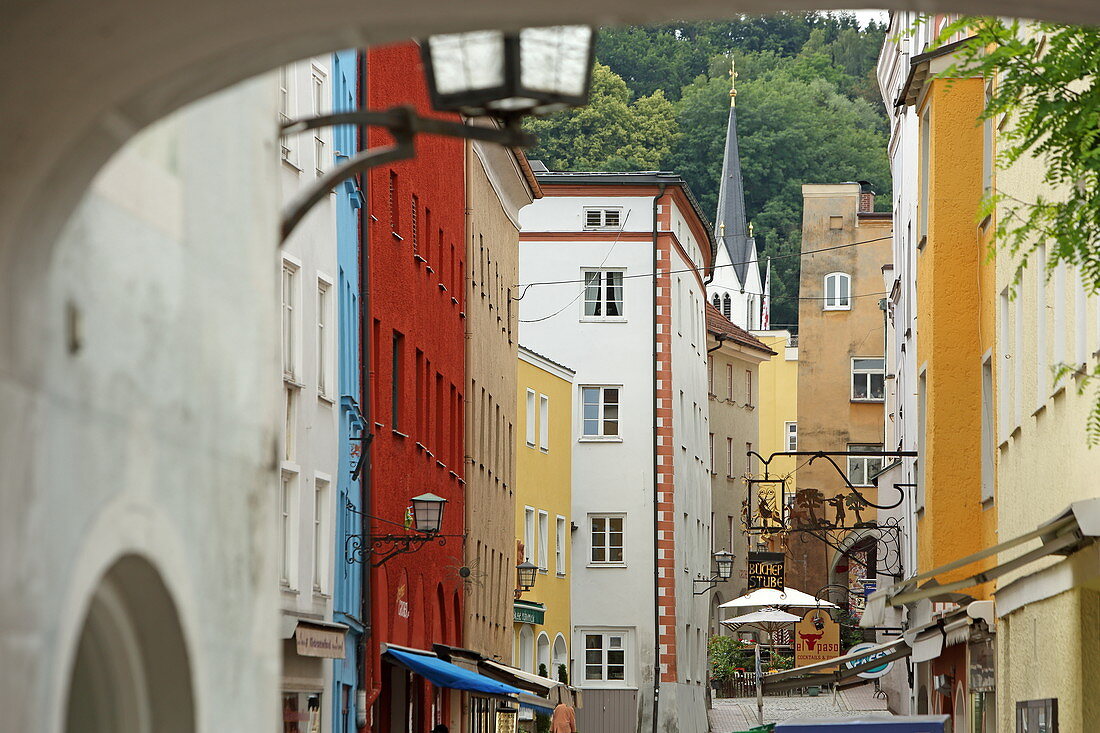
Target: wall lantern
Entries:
(723, 561)
(525, 576)
(428, 512)
(509, 75)
(498, 74)
(423, 524)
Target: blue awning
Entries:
(450, 676)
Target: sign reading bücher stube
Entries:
(766, 570)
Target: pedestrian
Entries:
(564, 720)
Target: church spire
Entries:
(732, 229)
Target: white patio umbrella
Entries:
(785, 598)
(768, 620)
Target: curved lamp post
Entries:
(502, 75)
(423, 526)
(723, 563)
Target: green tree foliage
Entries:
(611, 133)
(727, 654)
(1048, 86)
(808, 112)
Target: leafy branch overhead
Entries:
(1046, 105)
(808, 110)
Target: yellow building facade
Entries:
(778, 407)
(543, 519)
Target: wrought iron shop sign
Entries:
(766, 570)
(528, 613)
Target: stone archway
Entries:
(132, 671)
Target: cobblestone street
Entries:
(739, 714)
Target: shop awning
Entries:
(1077, 526)
(450, 676)
(836, 670)
(548, 690)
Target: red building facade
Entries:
(417, 341)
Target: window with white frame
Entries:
(862, 468)
(792, 435)
(607, 538)
(600, 218)
(290, 320)
(286, 109)
(729, 381)
(532, 422)
(317, 89)
(286, 527)
(600, 412)
(748, 387)
(528, 533)
(321, 547)
(559, 545)
(544, 540)
(544, 422)
(603, 294)
(838, 292)
(605, 656)
(324, 337)
(868, 379)
(290, 421)
(729, 457)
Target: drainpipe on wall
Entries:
(365, 333)
(656, 513)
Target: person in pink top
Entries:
(563, 720)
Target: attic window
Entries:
(602, 218)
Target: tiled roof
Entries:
(719, 325)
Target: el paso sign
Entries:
(816, 638)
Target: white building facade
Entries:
(308, 451)
(641, 489)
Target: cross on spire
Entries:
(733, 81)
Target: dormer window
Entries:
(603, 218)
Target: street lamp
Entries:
(723, 561)
(509, 75)
(525, 577)
(425, 526)
(501, 75)
(428, 512)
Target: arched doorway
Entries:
(132, 672)
(525, 650)
(560, 659)
(542, 656)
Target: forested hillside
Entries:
(808, 111)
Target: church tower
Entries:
(736, 289)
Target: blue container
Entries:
(865, 724)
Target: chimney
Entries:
(866, 198)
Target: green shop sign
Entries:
(528, 613)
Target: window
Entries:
(607, 538)
(544, 422)
(321, 547)
(559, 546)
(290, 421)
(1037, 716)
(1059, 322)
(393, 202)
(836, 222)
(603, 294)
(838, 292)
(868, 380)
(600, 412)
(531, 423)
(319, 107)
(729, 457)
(528, 533)
(286, 101)
(605, 656)
(397, 372)
(791, 436)
(415, 225)
(922, 436)
(862, 468)
(712, 452)
(748, 387)
(748, 459)
(290, 320)
(544, 540)
(323, 356)
(1005, 395)
(925, 172)
(988, 441)
(727, 306)
(1042, 376)
(286, 528)
(602, 218)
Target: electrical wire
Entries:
(526, 286)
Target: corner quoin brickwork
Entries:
(664, 491)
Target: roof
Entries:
(631, 178)
(719, 325)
